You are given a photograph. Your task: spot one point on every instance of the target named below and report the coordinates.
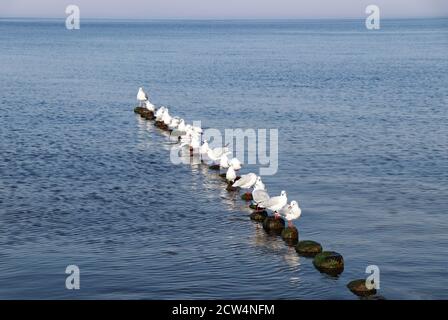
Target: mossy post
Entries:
(214, 167)
(273, 224)
(139, 110)
(290, 235)
(329, 262)
(161, 125)
(308, 248)
(359, 288)
(258, 216)
(148, 115)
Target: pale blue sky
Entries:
(209, 9)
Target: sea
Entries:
(362, 122)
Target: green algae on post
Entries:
(290, 235)
(148, 115)
(161, 125)
(308, 248)
(329, 262)
(359, 288)
(274, 224)
(258, 216)
(139, 110)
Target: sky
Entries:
(223, 9)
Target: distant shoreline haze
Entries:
(224, 10)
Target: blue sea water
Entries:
(363, 139)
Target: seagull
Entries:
(224, 161)
(236, 163)
(204, 148)
(181, 126)
(230, 175)
(291, 212)
(195, 142)
(150, 106)
(141, 96)
(246, 181)
(259, 185)
(166, 118)
(216, 154)
(174, 123)
(190, 138)
(260, 196)
(159, 113)
(276, 203)
(197, 129)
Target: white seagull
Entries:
(150, 106)
(141, 96)
(259, 197)
(181, 126)
(260, 194)
(166, 118)
(224, 161)
(217, 153)
(236, 164)
(246, 181)
(174, 123)
(291, 212)
(259, 185)
(276, 203)
(159, 113)
(230, 175)
(204, 147)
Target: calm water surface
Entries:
(362, 119)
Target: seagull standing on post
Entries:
(141, 97)
(276, 203)
(291, 212)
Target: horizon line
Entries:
(228, 18)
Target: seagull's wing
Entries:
(245, 179)
(177, 133)
(219, 152)
(260, 196)
(253, 180)
(272, 202)
(211, 155)
(285, 210)
(296, 212)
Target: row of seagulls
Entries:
(191, 136)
